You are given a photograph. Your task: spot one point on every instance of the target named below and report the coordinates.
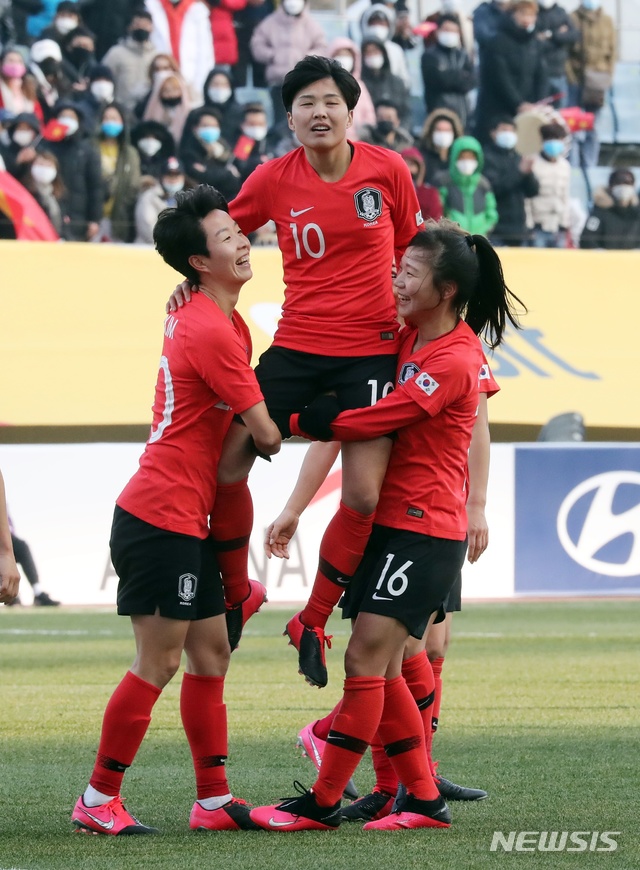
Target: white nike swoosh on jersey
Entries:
(106, 825)
(302, 211)
(275, 824)
(377, 597)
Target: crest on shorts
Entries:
(368, 203)
(187, 585)
(408, 371)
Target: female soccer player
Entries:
(169, 580)
(418, 542)
(342, 211)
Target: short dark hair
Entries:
(313, 68)
(552, 131)
(249, 108)
(140, 12)
(178, 232)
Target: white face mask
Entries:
(346, 61)
(467, 166)
(442, 138)
(172, 187)
(506, 139)
(450, 5)
(24, 137)
(219, 95)
(71, 124)
(257, 133)
(149, 146)
(546, 4)
(65, 24)
(103, 90)
(449, 39)
(623, 192)
(293, 7)
(379, 31)
(42, 174)
(374, 61)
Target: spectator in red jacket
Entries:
(428, 196)
(223, 30)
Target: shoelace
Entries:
(322, 637)
(302, 791)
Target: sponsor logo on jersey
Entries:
(427, 384)
(187, 585)
(415, 512)
(368, 203)
(409, 370)
(295, 213)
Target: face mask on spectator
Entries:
(208, 135)
(71, 124)
(553, 147)
(449, 39)
(13, 70)
(546, 4)
(23, 138)
(450, 5)
(385, 127)
(623, 192)
(102, 90)
(172, 187)
(149, 146)
(466, 166)
(255, 132)
(140, 34)
(219, 95)
(49, 66)
(374, 61)
(591, 5)
(65, 24)
(42, 174)
(442, 138)
(112, 129)
(346, 61)
(80, 56)
(379, 31)
(506, 139)
(529, 28)
(293, 7)
(170, 102)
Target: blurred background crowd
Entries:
(108, 108)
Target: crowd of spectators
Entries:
(107, 110)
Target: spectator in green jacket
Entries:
(466, 194)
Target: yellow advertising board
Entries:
(82, 333)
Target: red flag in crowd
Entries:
(29, 220)
(244, 146)
(54, 131)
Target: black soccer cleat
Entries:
(452, 792)
(372, 806)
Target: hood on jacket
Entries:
(430, 122)
(465, 143)
(378, 9)
(155, 130)
(416, 156)
(23, 118)
(373, 40)
(82, 118)
(218, 70)
(342, 42)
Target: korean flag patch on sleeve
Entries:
(426, 383)
(484, 373)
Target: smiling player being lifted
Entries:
(342, 210)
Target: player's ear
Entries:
(290, 121)
(350, 118)
(196, 262)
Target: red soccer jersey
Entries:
(433, 409)
(338, 242)
(204, 378)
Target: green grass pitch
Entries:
(541, 707)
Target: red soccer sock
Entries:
(419, 678)
(230, 526)
(341, 550)
(353, 730)
(124, 725)
(322, 727)
(204, 718)
(402, 733)
(386, 777)
(436, 667)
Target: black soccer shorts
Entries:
(160, 571)
(290, 380)
(404, 575)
